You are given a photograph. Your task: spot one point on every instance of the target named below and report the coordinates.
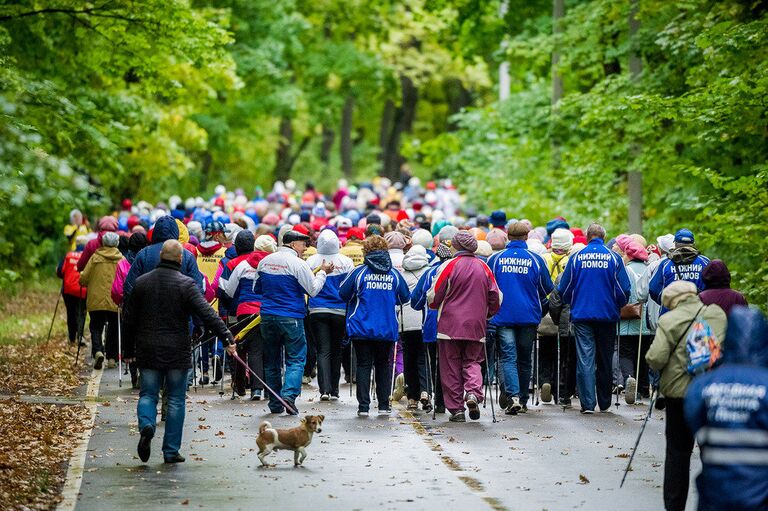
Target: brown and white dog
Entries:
(295, 439)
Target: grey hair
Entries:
(595, 230)
(172, 251)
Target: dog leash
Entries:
(282, 401)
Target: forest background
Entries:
(607, 99)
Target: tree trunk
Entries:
(205, 171)
(458, 98)
(635, 175)
(283, 154)
(345, 146)
(558, 11)
(402, 123)
(387, 119)
(326, 145)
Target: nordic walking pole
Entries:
(351, 363)
(437, 372)
(557, 390)
(654, 394)
(223, 365)
(536, 389)
(120, 350)
(639, 348)
(55, 311)
(493, 410)
(618, 349)
(394, 357)
(430, 376)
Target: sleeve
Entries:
(59, 269)
(137, 268)
(419, 294)
(85, 275)
(623, 286)
(403, 294)
(439, 287)
(545, 281)
(117, 284)
(311, 283)
(216, 279)
(207, 315)
(694, 406)
(347, 289)
(656, 285)
(565, 289)
(229, 286)
(659, 352)
(494, 296)
(641, 290)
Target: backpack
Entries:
(702, 347)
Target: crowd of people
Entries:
(404, 291)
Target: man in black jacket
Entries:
(156, 317)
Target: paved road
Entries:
(534, 461)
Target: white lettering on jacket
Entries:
(379, 281)
(515, 265)
(591, 260)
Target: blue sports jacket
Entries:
(524, 281)
(595, 283)
(419, 303)
(727, 410)
(283, 279)
(669, 271)
(374, 290)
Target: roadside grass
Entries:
(26, 310)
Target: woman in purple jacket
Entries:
(717, 287)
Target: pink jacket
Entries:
(117, 285)
(465, 293)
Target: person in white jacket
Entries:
(415, 365)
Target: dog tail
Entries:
(264, 426)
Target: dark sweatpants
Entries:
(548, 365)
(75, 315)
(415, 365)
(373, 354)
(251, 350)
(100, 320)
(311, 362)
(328, 331)
(628, 361)
(677, 464)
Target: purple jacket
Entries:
(717, 287)
(465, 293)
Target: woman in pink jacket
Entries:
(465, 294)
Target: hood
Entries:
(210, 247)
(327, 243)
(231, 252)
(165, 229)
(107, 254)
(416, 258)
(183, 232)
(746, 341)
(684, 255)
(255, 257)
(378, 261)
(716, 275)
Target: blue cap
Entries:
(684, 236)
(498, 218)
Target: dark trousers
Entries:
(346, 362)
(75, 315)
(415, 365)
(328, 331)
(677, 464)
(595, 344)
(311, 363)
(434, 368)
(548, 364)
(628, 361)
(251, 350)
(373, 354)
(100, 320)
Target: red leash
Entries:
(282, 401)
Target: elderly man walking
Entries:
(157, 337)
(596, 285)
(465, 294)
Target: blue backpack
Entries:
(702, 346)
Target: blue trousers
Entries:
(146, 409)
(283, 334)
(516, 343)
(594, 353)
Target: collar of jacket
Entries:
(288, 250)
(596, 241)
(517, 244)
(464, 253)
(171, 265)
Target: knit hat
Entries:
(556, 223)
(357, 233)
(497, 239)
(562, 239)
(265, 243)
(423, 238)
(110, 239)
(107, 223)
(676, 292)
(498, 218)
(244, 242)
(447, 233)
(483, 249)
(463, 240)
(395, 240)
(270, 219)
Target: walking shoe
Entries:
(631, 393)
(413, 405)
(325, 397)
(98, 360)
(660, 403)
(362, 413)
(306, 380)
(255, 395)
(293, 410)
(145, 443)
(457, 417)
(524, 409)
(176, 458)
(277, 411)
(334, 397)
(565, 402)
(218, 371)
(587, 412)
(546, 393)
(514, 406)
(204, 380)
(503, 400)
(474, 410)
(399, 391)
(426, 403)
(384, 411)
(111, 364)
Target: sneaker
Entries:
(255, 395)
(98, 360)
(413, 405)
(631, 394)
(565, 402)
(334, 397)
(587, 412)
(306, 380)
(399, 391)
(325, 397)
(503, 400)
(204, 380)
(474, 410)
(524, 409)
(426, 403)
(362, 413)
(145, 443)
(111, 364)
(515, 405)
(384, 411)
(546, 393)
(293, 410)
(457, 417)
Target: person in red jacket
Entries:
(73, 293)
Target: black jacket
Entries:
(156, 318)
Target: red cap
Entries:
(402, 215)
(133, 221)
(301, 228)
(355, 232)
(127, 204)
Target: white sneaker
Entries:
(334, 398)
(383, 412)
(325, 397)
(362, 414)
(630, 394)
